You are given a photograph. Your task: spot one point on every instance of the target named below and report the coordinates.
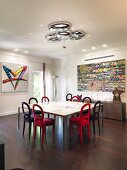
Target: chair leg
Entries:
(29, 129)
(93, 126)
(24, 127)
(88, 131)
(99, 126)
(53, 129)
(43, 133)
(81, 135)
(102, 121)
(40, 131)
(71, 128)
(34, 133)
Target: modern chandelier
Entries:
(61, 30)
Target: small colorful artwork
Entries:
(14, 77)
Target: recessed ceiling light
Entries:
(104, 45)
(84, 50)
(25, 51)
(41, 25)
(93, 48)
(16, 49)
(30, 33)
(88, 35)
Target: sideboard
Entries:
(114, 110)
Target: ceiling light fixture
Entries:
(62, 30)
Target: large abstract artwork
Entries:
(102, 76)
(14, 77)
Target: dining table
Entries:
(63, 109)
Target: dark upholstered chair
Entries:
(32, 100)
(95, 116)
(27, 117)
(87, 100)
(68, 97)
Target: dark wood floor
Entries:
(105, 152)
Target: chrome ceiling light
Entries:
(61, 30)
(59, 26)
(77, 35)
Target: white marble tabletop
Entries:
(61, 108)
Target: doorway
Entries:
(38, 85)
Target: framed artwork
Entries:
(104, 76)
(14, 77)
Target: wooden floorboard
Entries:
(105, 152)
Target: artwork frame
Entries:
(103, 76)
(14, 77)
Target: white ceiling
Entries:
(105, 22)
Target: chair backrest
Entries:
(26, 109)
(96, 109)
(38, 107)
(87, 100)
(87, 108)
(80, 97)
(45, 99)
(75, 99)
(68, 97)
(33, 99)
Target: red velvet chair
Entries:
(42, 122)
(75, 99)
(82, 120)
(45, 99)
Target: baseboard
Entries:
(8, 113)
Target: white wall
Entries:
(66, 69)
(9, 101)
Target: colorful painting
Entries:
(104, 76)
(14, 77)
